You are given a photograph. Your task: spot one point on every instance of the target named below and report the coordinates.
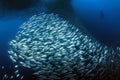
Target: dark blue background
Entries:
(100, 17)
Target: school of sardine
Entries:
(56, 50)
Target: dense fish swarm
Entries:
(57, 50)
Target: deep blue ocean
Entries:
(12, 14)
(100, 17)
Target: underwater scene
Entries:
(59, 40)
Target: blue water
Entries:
(101, 18)
(11, 17)
(8, 29)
